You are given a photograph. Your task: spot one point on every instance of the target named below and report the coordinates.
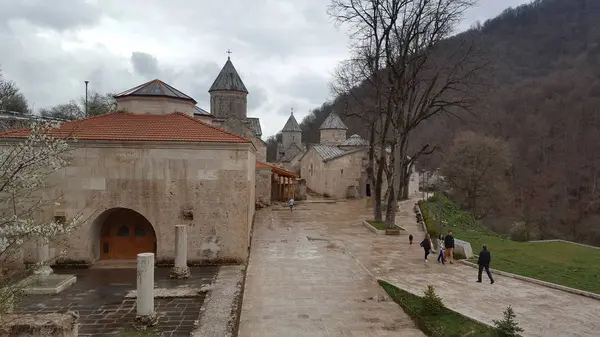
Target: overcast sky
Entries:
(285, 51)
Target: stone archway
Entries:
(124, 233)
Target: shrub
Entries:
(508, 327)
(432, 303)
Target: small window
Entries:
(187, 214)
(123, 231)
(139, 232)
(342, 171)
(60, 219)
(105, 248)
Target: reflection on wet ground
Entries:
(301, 283)
(309, 275)
(99, 298)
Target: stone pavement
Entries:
(290, 276)
(99, 298)
(299, 284)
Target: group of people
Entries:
(446, 253)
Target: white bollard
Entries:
(42, 257)
(181, 269)
(146, 315)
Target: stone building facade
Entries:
(337, 166)
(290, 149)
(134, 176)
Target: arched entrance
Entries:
(125, 233)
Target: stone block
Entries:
(462, 249)
(47, 284)
(39, 325)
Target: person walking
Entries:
(449, 245)
(485, 257)
(427, 245)
(441, 257)
(292, 205)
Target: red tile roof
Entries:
(275, 169)
(124, 126)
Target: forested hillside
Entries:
(541, 93)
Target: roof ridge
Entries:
(333, 122)
(210, 126)
(135, 88)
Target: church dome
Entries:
(228, 80)
(354, 140)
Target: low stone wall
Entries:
(379, 231)
(42, 325)
(565, 241)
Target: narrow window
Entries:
(123, 231)
(342, 171)
(105, 248)
(139, 232)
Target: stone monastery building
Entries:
(162, 161)
(337, 166)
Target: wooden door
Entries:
(125, 240)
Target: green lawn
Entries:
(447, 323)
(379, 225)
(557, 262)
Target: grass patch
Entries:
(379, 225)
(556, 262)
(446, 323)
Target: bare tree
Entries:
(477, 170)
(98, 104)
(11, 99)
(411, 78)
(359, 79)
(25, 205)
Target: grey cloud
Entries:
(59, 15)
(308, 86)
(145, 65)
(257, 96)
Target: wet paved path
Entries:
(290, 277)
(299, 284)
(99, 298)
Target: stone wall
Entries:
(263, 187)
(155, 105)
(239, 127)
(332, 137)
(42, 325)
(291, 137)
(226, 104)
(333, 178)
(214, 181)
(206, 119)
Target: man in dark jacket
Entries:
(484, 263)
(449, 245)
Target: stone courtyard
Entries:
(313, 272)
(99, 297)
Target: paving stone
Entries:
(99, 297)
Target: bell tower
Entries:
(228, 94)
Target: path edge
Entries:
(457, 312)
(538, 282)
